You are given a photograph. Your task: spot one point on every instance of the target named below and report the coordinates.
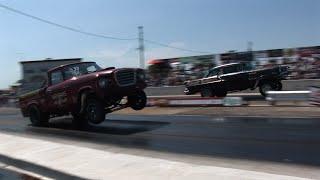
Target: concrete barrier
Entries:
(294, 96)
(315, 95)
(162, 91)
(288, 85)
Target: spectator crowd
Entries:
(303, 63)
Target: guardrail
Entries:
(288, 85)
(186, 101)
(244, 96)
(234, 99)
(315, 95)
(297, 98)
(294, 96)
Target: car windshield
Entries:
(248, 66)
(80, 69)
(212, 72)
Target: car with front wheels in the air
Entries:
(233, 77)
(86, 91)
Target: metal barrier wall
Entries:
(315, 95)
(294, 96)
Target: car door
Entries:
(249, 75)
(56, 93)
(231, 77)
(212, 76)
(71, 85)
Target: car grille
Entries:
(125, 77)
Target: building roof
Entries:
(50, 60)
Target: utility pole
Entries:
(250, 50)
(141, 47)
(249, 46)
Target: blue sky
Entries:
(206, 25)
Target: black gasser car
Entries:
(237, 77)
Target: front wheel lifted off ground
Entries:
(278, 85)
(267, 86)
(138, 101)
(37, 117)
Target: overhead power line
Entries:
(93, 34)
(125, 53)
(63, 26)
(173, 47)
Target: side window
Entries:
(213, 72)
(230, 69)
(56, 77)
(73, 71)
(248, 67)
(91, 69)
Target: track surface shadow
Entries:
(35, 168)
(114, 127)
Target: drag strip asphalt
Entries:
(288, 141)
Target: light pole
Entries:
(141, 47)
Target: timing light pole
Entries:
(141, 47)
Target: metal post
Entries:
(141, 47)
(249, 46)
(250, 50)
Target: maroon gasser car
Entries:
(86, 91)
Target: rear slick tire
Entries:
(38, 118)
(206, 92)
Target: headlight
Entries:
(103, 83)
(141, 75)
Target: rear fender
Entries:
(29, 105)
